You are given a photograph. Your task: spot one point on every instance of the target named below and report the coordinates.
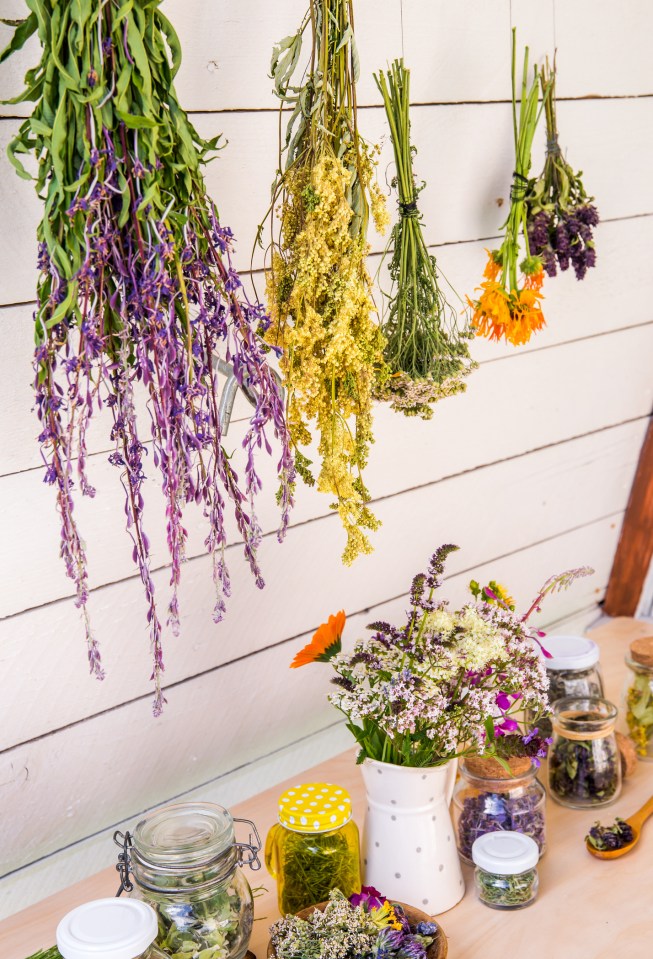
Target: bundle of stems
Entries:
(426, 352)
(509, 307)
(318, 287)
(560, 214)
(137, 290)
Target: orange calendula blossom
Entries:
(326, 642)
(511, 315)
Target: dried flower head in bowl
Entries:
(365, 926)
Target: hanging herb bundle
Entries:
(509, 308)
(426, 353)
(319, 291)
(136, 286)
(560, 214)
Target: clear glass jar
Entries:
(506, 869)
(185, 862)
(584, 760)
(487, 798)
(109, 929)
(573, 670)
(314, 847)
(638, 697)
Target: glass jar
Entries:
(314, 847)
(488, 798)
(638, 696)
(572, 670)
(185, 862)
(109, 929)
(506, 869)
(584, 760)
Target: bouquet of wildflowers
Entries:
(509, 307)
(318, 288)
(137, 288)
(449, 682)
(426, 352)
(560, 215)
(366, 926)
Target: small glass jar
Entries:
(109, 929)
(506, 869)
(314, 847)
(584, 760)
(572, 670)
(488, 798)
(638, 697)
(185, 862)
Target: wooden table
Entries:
(586, 908)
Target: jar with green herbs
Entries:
(488, 797)
(638, 697)
(314, 847)
(584, 760)
(506, 869)
(109, 929)
(185, 862)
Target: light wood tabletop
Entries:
(586, 908)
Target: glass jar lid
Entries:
(505, 853)
(314, 807)
(107, 929)
(571, 652)
(189, 834)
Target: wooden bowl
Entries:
(437, 950)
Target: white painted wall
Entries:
(529, 471)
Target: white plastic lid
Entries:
(505, 853)
(107, 929)
(570, 652)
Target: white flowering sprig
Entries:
(450, 682)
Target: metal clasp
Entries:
(124, 842)
(248, 851)
(229, 390)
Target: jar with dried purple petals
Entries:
(488, 798)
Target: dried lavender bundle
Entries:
(560, 214)
(137, 286)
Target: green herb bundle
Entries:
(426, 351)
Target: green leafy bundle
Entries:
(426, 352)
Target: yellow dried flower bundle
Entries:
(318, 288)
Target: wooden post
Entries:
(635, 549)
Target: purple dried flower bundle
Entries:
(560, 215)
(137, 291)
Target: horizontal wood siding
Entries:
(529, 471)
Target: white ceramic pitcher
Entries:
(409, 847)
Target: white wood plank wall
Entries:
(529, 471)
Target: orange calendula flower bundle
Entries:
(509, 306)
(511, 315)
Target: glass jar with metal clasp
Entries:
(185, 862)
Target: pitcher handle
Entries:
(452, 769)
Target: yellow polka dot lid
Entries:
(314, 807)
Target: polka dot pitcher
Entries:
(409, 847)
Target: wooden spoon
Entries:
(636, 821)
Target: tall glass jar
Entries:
(572, 669)
(638, 696)
(488, 798)
(185, 862)
(584, 760)
(314, 847)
